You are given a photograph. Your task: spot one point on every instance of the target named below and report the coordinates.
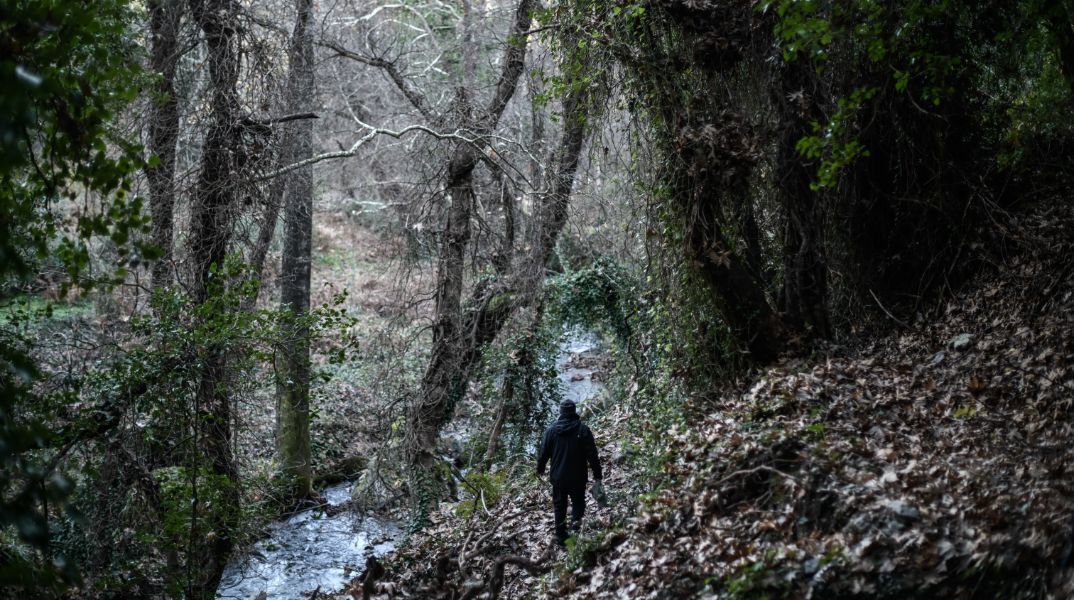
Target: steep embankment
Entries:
(935, 463)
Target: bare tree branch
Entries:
(283, 119)
(513, 64)
(415, 97)
(458, 134)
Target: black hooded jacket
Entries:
(569, 444)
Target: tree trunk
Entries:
(293, 364)
(751, 238)
(443, 385)
(294, 103)
(469, 46)
(745, 307)
(507, 395)
(266, 229)
(458, 342)
(1058, 21)
(714, 161)
(211, 222)
(164, 21)
(448, 372)
(805, 276)
(536, 144)
(552, 212)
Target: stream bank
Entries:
(324, 548)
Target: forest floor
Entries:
(936, 461)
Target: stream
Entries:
(578, 384)
(323, 549)
(310, 550)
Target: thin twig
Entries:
(887, 312)
(756, 469)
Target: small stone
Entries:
(811, 566)
(961, 341)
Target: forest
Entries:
(299, 299)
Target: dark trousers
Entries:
(561, 492)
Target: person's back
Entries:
(569, 445)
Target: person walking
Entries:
(569, 445)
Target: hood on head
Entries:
(568, 422)
(567, 408)
(567, 425)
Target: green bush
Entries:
(481, 490)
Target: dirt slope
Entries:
(935, 463)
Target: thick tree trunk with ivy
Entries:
(740, 295)
(444, 383)
(165, 18)
(713, 160)
(293, 362)
(712, 154)
(211, 221)
(746, 217)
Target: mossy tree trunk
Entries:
(293, 358)
(682, 71)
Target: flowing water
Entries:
(578, 384)
(323, 549)
(311, 550)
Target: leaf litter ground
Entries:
(935, 462)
